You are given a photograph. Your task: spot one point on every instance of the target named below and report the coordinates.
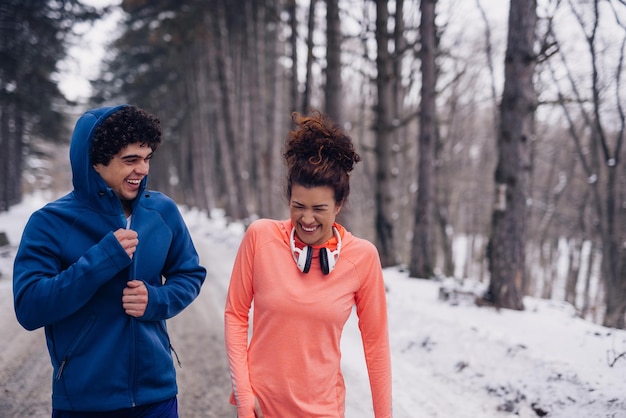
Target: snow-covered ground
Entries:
(452, 359)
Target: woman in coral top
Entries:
(304, 275)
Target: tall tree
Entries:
(232, 140)
(333, 88)
(516, 130)
(259, 53)
(293, 43)
(34, 37)
(308, 76)
(384, 184)
(422, 262)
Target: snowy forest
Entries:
(490, 129)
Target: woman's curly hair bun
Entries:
(318, 152)
(319, 141)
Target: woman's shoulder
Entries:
(264, 231)
(266, 225)
(357, 248)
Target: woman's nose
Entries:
(308, 217)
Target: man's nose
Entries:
(143, 167)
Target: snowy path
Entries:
(448, 361)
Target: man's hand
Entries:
(135, 298)
(128, 240)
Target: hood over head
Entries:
(88, 185)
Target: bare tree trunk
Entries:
(232, 142)
(584, 311)
(489, 56)
(508, 236)
(257, 78)
(306, 95)
(384, 194)
(200, 134)
(547, 250)
(422, 262)
(598, 308)
(333, 90)
(575, 246)
(446, 240)
(404, 146)
(400, 42)
(218, 52)
(11, 144)
(15, 163)
(613, 225)
(293, 42)
(5, 156)
(274, 105)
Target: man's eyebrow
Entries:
(135, 156)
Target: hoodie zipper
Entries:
(132, 351)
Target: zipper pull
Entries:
(176, 354)
(60, 371)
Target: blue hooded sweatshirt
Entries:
(69, 274)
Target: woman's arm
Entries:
(236, 314)
(371, 303)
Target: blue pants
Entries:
(165, 409)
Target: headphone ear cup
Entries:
(324, 260)
(306, 256)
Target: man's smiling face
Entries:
(126, 170)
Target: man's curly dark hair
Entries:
(127, 125)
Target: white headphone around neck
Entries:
(303, 256)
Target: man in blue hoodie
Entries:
(103, 268)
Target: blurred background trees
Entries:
(470, 170)
(34, 37)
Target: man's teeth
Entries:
(134, 181)
(308, 229)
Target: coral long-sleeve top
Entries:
(291, 363)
